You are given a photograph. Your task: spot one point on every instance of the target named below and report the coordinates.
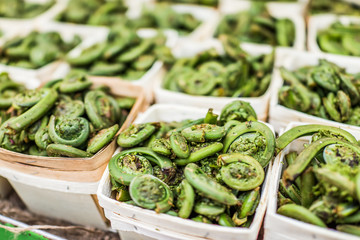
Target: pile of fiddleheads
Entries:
(340, 7)
(94, 12)
(65, 118)
(36, 49)
(340, 39)
(321, 184)
(22, 8)
(123, 54)
(258, 26)
(209, 170)
(163, 16)
(325, 91)
(233, 74)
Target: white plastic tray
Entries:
(292, 11)
(285, 228)
(190, 49)
(159, 226)
(280, 116)
(324, 21)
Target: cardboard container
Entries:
(99, 159)
(30, 83)
(147, 80)
(190, 49)
(321, 22)
(281, 227)
(46, 15)
(280, 116)
(65, 188)
(125, 218)
(67, 33)
(207, 15)
(292, 11)
(5, 188)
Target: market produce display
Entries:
(325, 91)
(209, 170)
(64, 136)
(340, 39)
(163, 16)
(320, 184)
(64, 118)
(94, 12)
(234, 74)
(36, 49)
(258, 26)
(213, 3)
(123, 54)
(340, 7)
(23, 8)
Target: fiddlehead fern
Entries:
(74, 82)
(179, 145)
(263, 149)
(202, 132)
(48, 98)
(310, 129)
(164, 163)
(102, 138)
(208, 208)
(27, 99)
(185, 199)
(149, 192)
(8, 90)
(241, 172)
(69, 108)
(61, 150)
(161, 146)
(207, 186)
(69, 131)
(102, 110)
(124, 167)
(135, 134)
(238, 110)
(199, 152)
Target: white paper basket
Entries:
(5, 187)
(147, 80)
(125, 217)
(44, 16)
(292, 11)
(190, 49)
(207, 15)
(67, 33)
(30, 83)
(281, 227)
(70, 201)
(324, 21)
(280, 116)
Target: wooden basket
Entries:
(55, 167)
